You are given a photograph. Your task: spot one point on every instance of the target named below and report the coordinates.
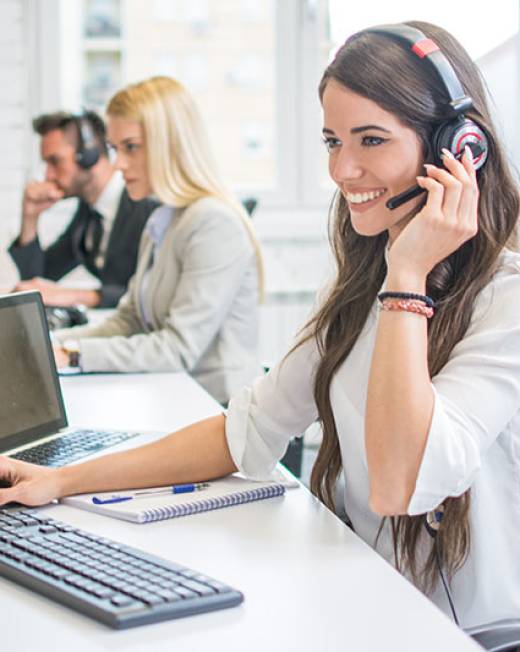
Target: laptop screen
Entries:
(31, 404)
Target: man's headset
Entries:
(453, 134)
(88, 152)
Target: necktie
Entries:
(93, 233)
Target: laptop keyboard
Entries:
(113, 583)
(72, 446)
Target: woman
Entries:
(193, 302)
(419, 410)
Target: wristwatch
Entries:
(71, 348)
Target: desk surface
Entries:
(309, 582)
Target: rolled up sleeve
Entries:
(477, 393)
(262, 419)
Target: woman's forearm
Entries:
(399, 403)
(197, 452)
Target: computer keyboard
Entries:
(113, 583)
(72, 446)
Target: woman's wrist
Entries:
(66, 481)
(401, 279)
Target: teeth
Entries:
(361, 197)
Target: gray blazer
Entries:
(201, 299)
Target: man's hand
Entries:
(38, 197)
(27, 483)
(54, 294)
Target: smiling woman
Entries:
(372, 157)
(193, 302)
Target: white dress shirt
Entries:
(473, 442)
(106, 205)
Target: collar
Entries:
(108, 201)
(158, 223)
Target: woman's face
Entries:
(372, 157)
(126, 138)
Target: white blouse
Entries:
(474, 441)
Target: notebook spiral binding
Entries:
(173, 511)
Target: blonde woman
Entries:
(193, 302)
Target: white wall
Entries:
(15, 103)
(501, 70)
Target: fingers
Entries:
(29, 484)
(10, 495)
(435, 194)
(458, 186)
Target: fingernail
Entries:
(447, 153)
(468, 153)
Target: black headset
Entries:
(88, 151)
(457, 132)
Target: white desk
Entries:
(309, 582)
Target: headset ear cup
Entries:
(87, 158)
(442, 138)
(455, 135)
(88, 152)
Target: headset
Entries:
(88, 152)
(455, 133)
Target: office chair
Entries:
(499, 636)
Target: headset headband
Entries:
(426, 49)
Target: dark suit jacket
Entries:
(68, 251)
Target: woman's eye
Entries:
(372, 141)
(331, 143)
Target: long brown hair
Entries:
(379, 69)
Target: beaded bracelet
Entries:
(408, 305)
(407, 295)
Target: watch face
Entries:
(73, 358)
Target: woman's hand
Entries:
(60, 356)
(27, 483)
(448, 219)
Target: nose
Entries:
(120, 161)
(344, 165)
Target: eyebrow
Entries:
(358, 130)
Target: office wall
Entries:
(15, 104)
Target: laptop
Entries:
(33, 421)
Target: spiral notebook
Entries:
(225, 492)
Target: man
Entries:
(103, 234)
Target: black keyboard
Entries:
(118, 585)
(72, 446)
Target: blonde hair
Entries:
(181, 167)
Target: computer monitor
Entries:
(31, 403)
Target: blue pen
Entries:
(175, 489)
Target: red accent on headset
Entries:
(424, 47)
(458, 144)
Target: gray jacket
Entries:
(201, 300)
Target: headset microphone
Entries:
(415, 191)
